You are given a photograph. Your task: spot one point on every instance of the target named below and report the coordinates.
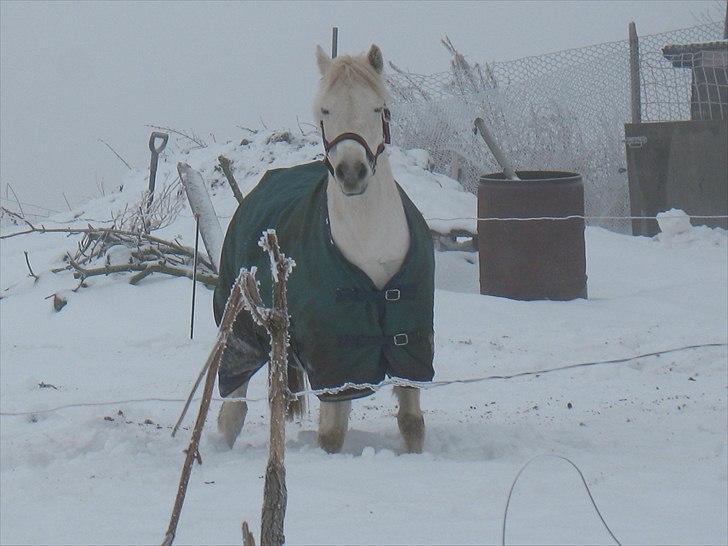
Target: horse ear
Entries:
(375, 58)
(323, 60)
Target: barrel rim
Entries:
(531, 177)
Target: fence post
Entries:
(634, 74)
(456, 171)
(334, 42)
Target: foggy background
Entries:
(74, 73)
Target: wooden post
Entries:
(334, 42)
(634, 74)
(456, 170)
(274, 492)
(276, 322)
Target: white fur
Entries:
(231, 418)
(369, 229)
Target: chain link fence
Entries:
(559, 111)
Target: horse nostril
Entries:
(362, 171)
(340, 172)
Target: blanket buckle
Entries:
(401, 340)
(393, 294)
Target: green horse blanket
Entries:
(343, 328)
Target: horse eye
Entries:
(378, 110)
(324, 111)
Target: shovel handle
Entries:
(152, 142)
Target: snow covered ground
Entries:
(650, 435)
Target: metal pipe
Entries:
(496, 150)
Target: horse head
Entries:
(350, 108)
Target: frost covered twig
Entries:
(248, 538)
(246, 295)
(276, 322)
(233, 307)
(143, 270)
(146, 254)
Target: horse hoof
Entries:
(331, 441)
(412, 428)
(230, 420)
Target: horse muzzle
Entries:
(353, 177)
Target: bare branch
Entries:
(225, 164)
(191, 137)
(248, 538)
(66, 200)
(116, 154)
(144, 269)
(30, 269)
(232, 309)
(20, 207)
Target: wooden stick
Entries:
(106, 232)
(30, 269)
(190, 397)
(232, 309)
(275, 494)
(145, 270)
(227, 170)
(248, 538)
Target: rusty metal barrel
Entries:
(532, 259)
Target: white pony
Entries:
(366, 215)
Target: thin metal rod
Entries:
(334, 42)
(496, 149)
(194, 274)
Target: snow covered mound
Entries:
(675, 228)
(437, 196)
(88, 395)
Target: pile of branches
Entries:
(127, 245)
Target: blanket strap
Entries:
(397, 340)
(403, 292)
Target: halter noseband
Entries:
(371, 156)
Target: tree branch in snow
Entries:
(116, 154)
(30, 269)
(142, 253)
(233, 307)
(246, 295)
(275, 494)
(192, 137)
(248, 538)
(143, 270)
(225, 164)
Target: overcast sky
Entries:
(72, 73)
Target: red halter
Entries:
(371, 156)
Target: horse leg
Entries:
(232, 414)
(409, 418)
(333, 424)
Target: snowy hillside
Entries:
(88, 396)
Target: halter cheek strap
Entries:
(371, 156)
